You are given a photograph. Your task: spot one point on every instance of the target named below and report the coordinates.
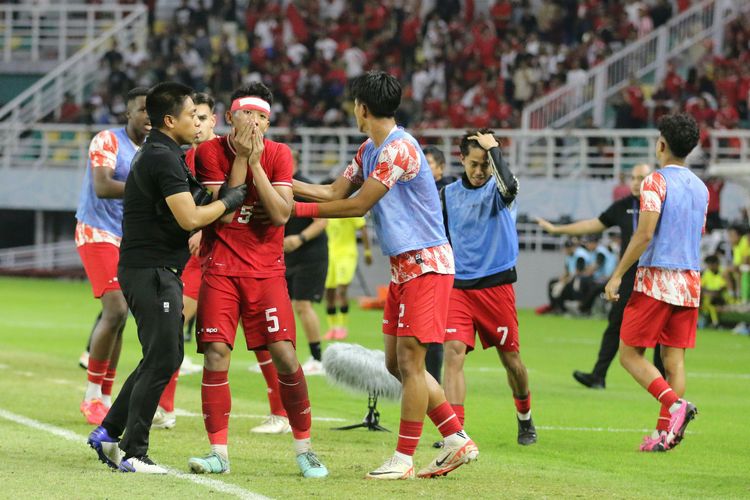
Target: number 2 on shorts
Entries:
(400, 315)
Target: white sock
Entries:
(107, 399)
(456, 438)
(302, 446)
(221, 450)
(93, 391)
(404, 458)
(524, 416)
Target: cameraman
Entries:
(162, 205)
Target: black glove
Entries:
(232, 197)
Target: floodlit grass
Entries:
(587, 439)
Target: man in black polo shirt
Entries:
(624, 214)
(306, 256)
(159, 213)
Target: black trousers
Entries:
(154, 296)
(434, 360)
(611, 337)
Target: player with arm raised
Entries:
(480, 219)
(394, 181)
(243, 277)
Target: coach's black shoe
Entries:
(526, 432)
(589, 380)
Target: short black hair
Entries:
(136, 92)
(711, 259)
(436, 153)
(681, 133)
(255, 89)
(165, 99)
(379, 91)
(467, 143)
(204, 98)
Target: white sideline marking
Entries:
(179, 412)
(597, 429)
(221, 486)
(3, 367)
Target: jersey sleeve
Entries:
(283, 167)
(208, 164)
(170, 175)
(359, 222)
(354, 172)
(653, 193)
(399, 160)
(609, 216)
(103, 150)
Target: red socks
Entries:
(523, 405)
(272, 382)
(97, 370)
(663, 393)
(217, 403)
(408, 437)
(664, 416)
(445, 419)
(167, 397)
(108, 381)
(459, 411)
(293, 391)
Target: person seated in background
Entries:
(714, 290)
(603, 262)
(436, 161)
(738, 273)
(575, 283)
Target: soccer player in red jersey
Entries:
(164, 418)
(98, 235)
(244, 277)
(664, 305)
(393, 179)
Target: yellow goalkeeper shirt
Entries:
(342, 236)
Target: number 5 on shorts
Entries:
(504, 331)
(273, 320)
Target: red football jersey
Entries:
(244, 247)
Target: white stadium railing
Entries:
(33, 33)
(646, 56)
(324, 152)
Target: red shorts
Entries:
(100, 262)
(418, 308)
(490, 312)
(191, 278)
(262, 304)
(647, 322)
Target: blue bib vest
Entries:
(409, 216)
(104, 213)
(676, 241)
(482, 230)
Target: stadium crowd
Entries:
(307, 50)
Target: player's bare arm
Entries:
(277, 201)
(340, 189)
(647, 222)
(294, 241)
(366, 245)
(588, 226)
(105, 185)
(356, 206)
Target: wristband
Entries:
(310, 210)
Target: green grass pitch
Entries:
(587, 439)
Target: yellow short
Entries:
(341, 270)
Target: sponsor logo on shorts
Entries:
(209, 330)
(166, 307)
